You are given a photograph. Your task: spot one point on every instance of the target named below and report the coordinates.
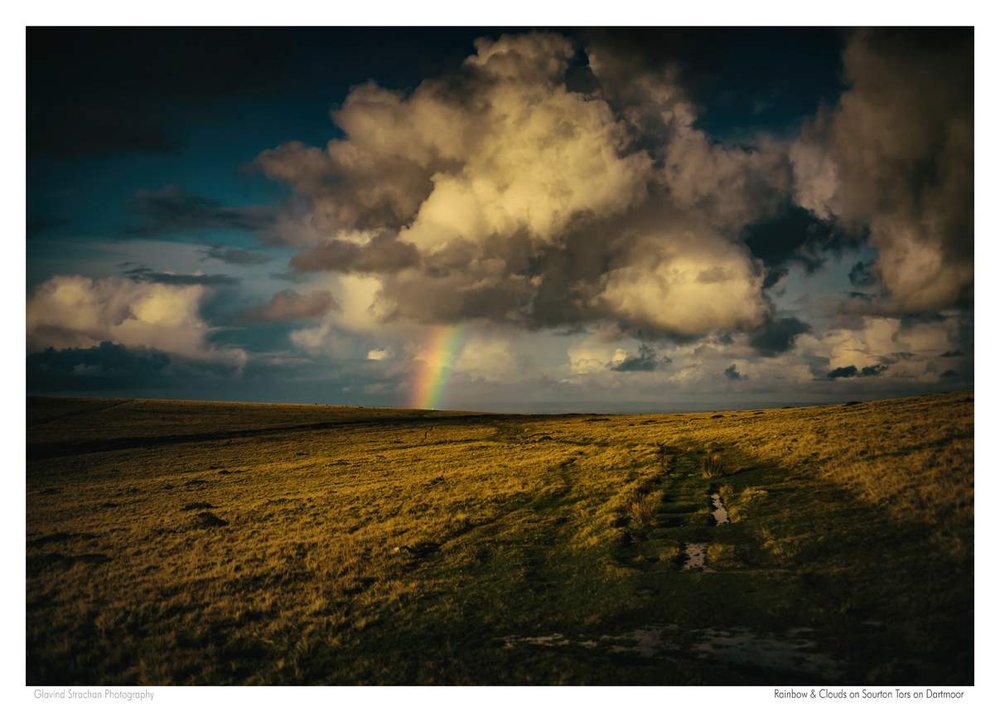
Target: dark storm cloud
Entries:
(733, 374)
(777, 336)
(105, 366)
(843, 372)
(289, 305)
(854, 372)
(174, 210)
(113, 367)
(383, 253)
(795, 235)
(236, 256)
(895, 157)
(744, 77)
(774, 275)
(145, 274)
(645, 360)
(861, 274)
(873, 370)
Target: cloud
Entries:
(486, 358)
(289, 305)
(528, 189)
(897, 348)
(843, 372)
(645, 360)
(592, 355)
(172, 209)
(501, 147)
(378, 253)
(104, 366)
(853, 371)
(861, 274)
(145, 274)
(71, 311)
(685, 283)
(289, 276)
(236, 256)
(895, 157)
(499, 192)
(732, 374)
(777, 336)
(794, 235)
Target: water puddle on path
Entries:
(719, 510)
(695, 552)
(695, 557)
(792, 651)
(644, 642)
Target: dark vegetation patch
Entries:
(39, 563)
(60, 538)
(191, 506)
(207, 520)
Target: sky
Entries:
(512, 219)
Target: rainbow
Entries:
(434, 365)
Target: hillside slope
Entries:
(186, 543)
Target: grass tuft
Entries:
(712, 466)
(642, 510)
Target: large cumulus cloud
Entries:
(895, 156)
(499, 192)
(548, 185)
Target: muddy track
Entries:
(689, 511)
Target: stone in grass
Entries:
(420, 550)
(207, 520)
(191, 506)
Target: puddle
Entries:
(644, 642)
(742, 646)
(719, 510)
(548, 641)
(694, 557)
(793, 652)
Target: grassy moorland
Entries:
(210, 543)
